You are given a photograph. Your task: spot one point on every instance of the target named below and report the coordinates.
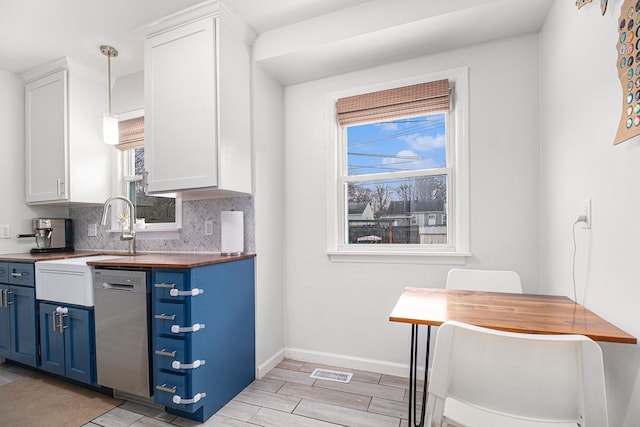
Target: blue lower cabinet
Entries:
(66, 341)
(203, 336)
(18, 326)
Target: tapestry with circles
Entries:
(629, 69)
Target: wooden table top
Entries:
(524, 313)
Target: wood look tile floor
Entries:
(286, 396)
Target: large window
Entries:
(398, 168)
(401, 170)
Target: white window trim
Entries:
(151, 231)
(338, 251)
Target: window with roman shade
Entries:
(131, 134)
(159, 213)
(401, 167)
(415, 100)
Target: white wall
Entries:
(342, 309)
(580, 110)
(14, 210)
(268, 125)
(128, 93)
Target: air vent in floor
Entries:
(326, 374)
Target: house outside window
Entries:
(409, 164)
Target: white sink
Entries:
(67, 280)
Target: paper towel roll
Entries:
(231, 232)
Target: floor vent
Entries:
(325, 374)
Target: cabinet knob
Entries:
(164, 316)
(164, 285)
(164, 388)
(166, 353)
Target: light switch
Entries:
(208, 228)
(5, 231)
(92, 230)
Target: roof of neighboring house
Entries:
(404, 206)
(357, 207)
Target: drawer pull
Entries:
(166, 353)
(165, 285)
(196, 364)
(195, 328)
(180, 401)
(164, 387)
(165, 316)
(19, 274)
(4, 298)
(192, 293)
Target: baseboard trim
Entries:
(343, 361)
(337, 360)
(264, 368)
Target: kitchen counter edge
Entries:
(168, 260)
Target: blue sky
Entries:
(404, 144)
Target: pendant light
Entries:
(109, 121)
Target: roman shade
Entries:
(414, 100)
(131, 134)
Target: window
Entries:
(402, 151)
(153, 209)
(158, 212)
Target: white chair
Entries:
(484, 280)
(488, 378)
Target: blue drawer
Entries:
(167, 315)
(171, 389)
(169, 350)
(4, 272)
(21, 273)
(167, 281)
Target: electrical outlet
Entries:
(586, 211)
(208, 228)
(92, 230)
(5, 231)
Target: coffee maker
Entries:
(52, 235)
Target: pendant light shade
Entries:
(110, 134)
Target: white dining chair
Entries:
(484, 280)
(488, 378)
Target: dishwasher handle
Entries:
(117, 287)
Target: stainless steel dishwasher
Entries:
(122, 302)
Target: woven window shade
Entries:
(420, 99)
(131, 134)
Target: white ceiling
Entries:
(35, 32)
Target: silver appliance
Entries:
(52, 234)
(123, 349)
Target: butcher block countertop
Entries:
(175, 260)
(167, 260)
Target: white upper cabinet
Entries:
(197, 104)
(66, 161)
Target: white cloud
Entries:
(388, 126)
(421, 142)
(407, 159)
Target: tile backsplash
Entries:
(190, 239)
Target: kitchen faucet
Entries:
(131, 234)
